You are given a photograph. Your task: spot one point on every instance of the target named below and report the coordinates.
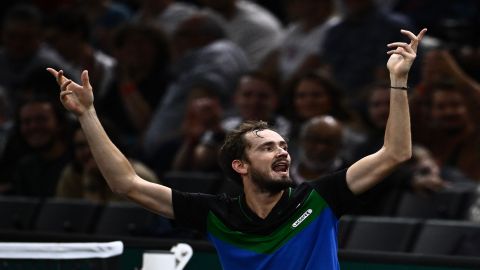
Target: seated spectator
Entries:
(256, 98)
(35, 87)
(194, 146)
(448, 108)
(44, 128)
(202, 56)
(320, 142)
(23, 49)
(141, 78)
(249, 25)
(375, 123)
(315, 94)
(202, 137)
(81, 178)
(69, 34)
(375, 116)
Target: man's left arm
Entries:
(397, 147)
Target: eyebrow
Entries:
(270, 143)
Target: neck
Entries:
(261, 203)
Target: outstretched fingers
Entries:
(64, 85)
(58, 75)
(53, 72)
(402, 49)
(414, 39)
(63, 94)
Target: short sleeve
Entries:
(334, 190)
(191, 209)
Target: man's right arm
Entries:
(119, 173)
(115, 167)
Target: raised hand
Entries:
(402, 54)
(74, 97)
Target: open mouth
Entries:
(280, 166)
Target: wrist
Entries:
(87, 114)
(398, 82)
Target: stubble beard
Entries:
(269, 185)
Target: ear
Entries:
(239, 166)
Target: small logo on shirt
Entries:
(302, 218)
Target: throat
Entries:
(262, 203)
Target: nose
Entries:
(282, 152)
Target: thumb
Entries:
(85, 79)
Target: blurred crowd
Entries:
(171, 78)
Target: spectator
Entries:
(166, 14)
(23, 49)
(256, 98)
(81, 178)
(142, 75)
(315, 94)
(375, 116)
(202, 57)
(249, 25)
(353, 66)
(198, 135)
(45, 129)
(320, 142)
(420, 174)
(202, 137)
(69, 33)
(448, 108)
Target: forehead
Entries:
(257, 138)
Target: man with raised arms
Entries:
(271, 225)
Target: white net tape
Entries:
(60, 250)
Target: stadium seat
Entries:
(447, 237)
(382, 234)
(344, 226)
(441, 205)
(66, 215)
(128, 219)
(17, 213)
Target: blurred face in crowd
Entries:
(256, 99)
(449, 111)
(203, 113)
(379, 107)
(321, 140)
(38, 125)
(311, 99)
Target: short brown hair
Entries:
(234, 147)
